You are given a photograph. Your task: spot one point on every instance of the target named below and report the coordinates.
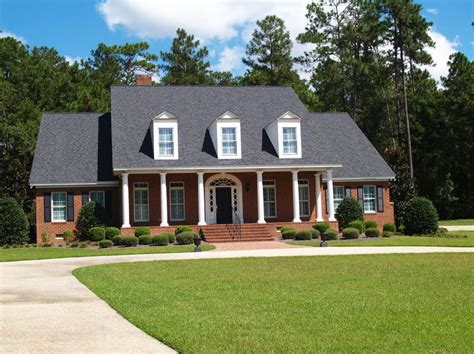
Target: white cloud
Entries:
(4, 34)
(72, 60)
(230, 59)
(440, 54)
(433, 11)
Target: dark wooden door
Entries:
(224, 205)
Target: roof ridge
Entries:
(62, 113)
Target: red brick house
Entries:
(208, 156)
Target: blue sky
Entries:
(75, 27)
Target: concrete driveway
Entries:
(45, 309)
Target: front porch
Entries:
(202, 199)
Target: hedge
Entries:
(14, 226)
(350, 233)
(186, 237)
(96, 233)
(359, 225)
(105, 243)
(420, 217)
(369, 224)
(348, 211)
(129, 241)
(387, 233)
(315, 233)
(68, 236)
(111, 232)
(321, 226)
(289, 234)
(144, 240)
(372, 232)
(91, 215)
(303, 235)
(181, 229)
(329, 234)
(284, 229)
(160, 240)
(171, 237)
(389, 227)
(142, 230)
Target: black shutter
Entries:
(70, 206)
(326, 198)
(380, 199)
(47, 207)
(108, 203)
(85, 197)
(360, 196)
(347, 192)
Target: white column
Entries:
(164, 200)
(296, 197)
(330, 196)
(125, 202)
(261, 212)
(201, 206)
(319, 210)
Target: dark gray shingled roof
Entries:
(73, 148)
(68, 144)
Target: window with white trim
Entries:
(165, 142)
(98, 197)
(58, 206)
(369, 196)
(269, 199)
(176, 201)
(141, 205)
(229, 141)
(289, 140)
(338, 195)
(303, 190)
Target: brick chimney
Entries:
(143, 80)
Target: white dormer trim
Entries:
(275, 133)
(164, 120)
(226, 120)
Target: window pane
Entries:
(369, 198)
(229, 141)
(303, 191)
(269, 199)
(338, 196)
(165, 139)
(58, 205)
(176, 201)
(97, 197)
(289, 141)
(141, 202)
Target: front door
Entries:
(224, 205)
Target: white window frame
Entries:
(305, 183)
(141, 186)
(171, 188)
(171, 142)
(364, 198)
(164, 121)
(103, 196)
(270, 186)
(292, 125)
(338, 201)
(52, 207)
(228, 141)
(220, 151)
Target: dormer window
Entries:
(164, 132)
(289, 141)
(285, 135)
(225, 134)
(229, 142)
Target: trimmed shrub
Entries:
(372, 232)
(7, 246)
(284, 229)
(91, 215)
(116, 240)
(182, 228)
(160, 240)
(45, 237)
(82, 244)
(321, 226)
(171, 237)
(129, 241)
(74, 245)
(14, 226)
(401, 229)
(315, 233)
(68, 236)
(329, 234)
(144, 240)
(420, 217)
(303, 235)
(105, 243)
(185, 238)
(142, 230)
(359, 225)
(289, 234)
(387, 233)
(369, 224)
(111, 232)
(96, 233)
(46, 244)
(389, 227)
(348, 211)
(350, 233)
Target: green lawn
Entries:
(459, 222)
(22, 254)
(377, 303)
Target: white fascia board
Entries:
(362, 179)
(75, 185)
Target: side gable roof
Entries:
(73, 148)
